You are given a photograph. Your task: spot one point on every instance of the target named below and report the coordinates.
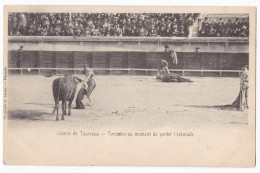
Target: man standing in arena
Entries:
(242, 100)
(170, 55)
(166, 55)
(88, 86)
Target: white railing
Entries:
(128, 69)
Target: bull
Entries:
(64, 89)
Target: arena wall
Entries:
(126, 55)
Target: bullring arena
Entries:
(127, 97)
(127, 93)
(130, 101)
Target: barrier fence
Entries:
(76, 71)
(62, 55)
(145, 63)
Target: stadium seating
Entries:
(127, 24)
(101, 24)
(225, 25)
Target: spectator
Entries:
(110, 31)
(222, 29)
(153, 32)
(181, 31)
(244, 31)
(244, 22)
(22, 24)
(100, 24)
(118, 31)
(142, 31)
(204, 32)
(228, 29)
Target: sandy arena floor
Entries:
(130, 101)
(135, 104)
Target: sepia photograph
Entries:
(134, 86)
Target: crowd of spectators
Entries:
(101, 24)
(237, 28)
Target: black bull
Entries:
(64, 90)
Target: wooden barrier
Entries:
(189, 63)
(216, 55)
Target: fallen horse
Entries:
(165, 75)
(172, 77)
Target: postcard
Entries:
(129, 86)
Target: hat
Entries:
(166, 46)
(244, 27)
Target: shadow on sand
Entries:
(219, 107)
(26, 114)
